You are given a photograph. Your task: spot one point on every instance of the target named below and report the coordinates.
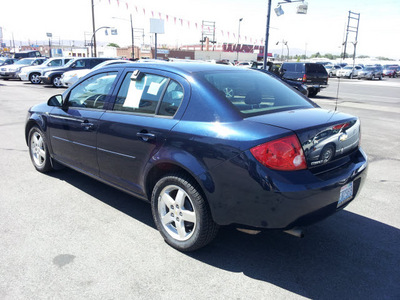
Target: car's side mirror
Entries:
(56, 100)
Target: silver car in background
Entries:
(332, 69)
(349, 71)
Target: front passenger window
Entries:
(92, 92)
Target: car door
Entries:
(73, 127)
(144, 112)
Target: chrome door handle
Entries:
(145, 136)
(87, 125)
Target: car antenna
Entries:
(337, 93)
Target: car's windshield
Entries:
(369, 68)
(348, 68)
(25, 61)
(253, 92)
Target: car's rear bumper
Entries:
(255, 196)
(316, 86)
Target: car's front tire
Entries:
(35, 78)
(57, 81)
(181, 213)
(38, 150)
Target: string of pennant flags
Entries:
(179, 21)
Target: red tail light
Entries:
(283, 154)
(304, 78)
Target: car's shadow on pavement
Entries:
(323, 97)
(347, 256)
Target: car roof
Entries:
(180, 67)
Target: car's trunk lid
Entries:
(324, 135)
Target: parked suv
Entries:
(29, 53)
(53, 76)
(313, 75)
(33, 73)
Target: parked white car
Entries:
(244, 64)
(70, 77)
(12, 71)
(349, 71)
(33, 73)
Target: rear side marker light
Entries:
(284, 154)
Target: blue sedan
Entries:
(207, 145)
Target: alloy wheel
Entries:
(57, 81)
(177, 213)
(38, 149)
(35, 79)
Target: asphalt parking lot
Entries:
(67, 236)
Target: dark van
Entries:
(25, 54)
(313, 75)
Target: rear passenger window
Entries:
(289, 67)
(141, 96)
(172, 99)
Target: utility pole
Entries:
(352, 27)
(237, 46)
(94, 33)
(133, 40)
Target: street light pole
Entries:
(301, 9)
(237, 46)
(132, 34)
(267, 35)
(93, 39)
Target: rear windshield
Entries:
(315, 68)
(293, 67)
(253, 92)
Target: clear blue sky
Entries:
(320, 30)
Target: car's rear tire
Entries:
(181, 213)
(35, 78)
(313, 92)
(56, 80)
(38, 150)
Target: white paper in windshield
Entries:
(154, 88)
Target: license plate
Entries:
(346, 193)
